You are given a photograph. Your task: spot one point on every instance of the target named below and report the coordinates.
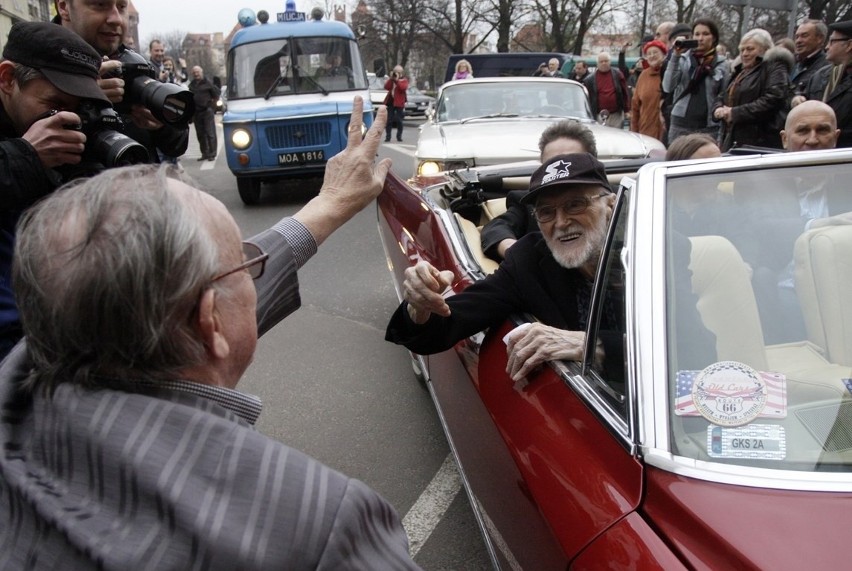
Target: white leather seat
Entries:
(823, 274)
(726, 301)
(474, 243)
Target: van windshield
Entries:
(295, 66)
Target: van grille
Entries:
(295, 135)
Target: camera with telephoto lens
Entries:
(169, 103)
(686, 44)
(106, 145)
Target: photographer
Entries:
(46, 73)
(103, 26)
(397, 87)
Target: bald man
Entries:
(810, 126)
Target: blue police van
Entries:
(289, 90)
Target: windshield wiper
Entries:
(322, 89)
(281, 77)
(492, 116)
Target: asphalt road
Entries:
(333, 388)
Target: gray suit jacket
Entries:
(129, 476)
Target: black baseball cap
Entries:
(566, 170)
(844, 28)
(63, 57)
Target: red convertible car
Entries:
(742, 462)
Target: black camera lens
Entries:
(116, 149)
(169, 103)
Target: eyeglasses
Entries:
(833, 40)
(577, 205)
(255, 262)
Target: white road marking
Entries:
(427, 512)
(219, 135)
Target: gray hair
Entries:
(819, 27)
(759, 36)
(569, 129)
(107, 274)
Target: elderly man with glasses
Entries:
(548, 274)
(832, 84)
(126, 442)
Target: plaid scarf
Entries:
(703, 68)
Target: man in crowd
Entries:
(499, 234)
(810, 126)
(45, 73)
(551, 69)
(608, 92)
(580, 71)
(547, 274)
(205, 95)
(134, 365)
(157, 55)
(397, 87)
(833, 84)
(810, 53)
(103, 25)
(663, 31)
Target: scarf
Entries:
(703, 68)
(739, 77)
(834, 78)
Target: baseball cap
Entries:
(63, 57)
(566, 170)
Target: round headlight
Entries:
(428, 168)
(241, 139)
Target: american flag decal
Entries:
(776, 397)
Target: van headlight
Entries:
(241, 139)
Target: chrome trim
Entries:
(298, 117)
(748, 476)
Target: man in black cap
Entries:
(45, 73)
(833, 84)
(548, 274)
(103, 25)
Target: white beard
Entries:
(580, 251)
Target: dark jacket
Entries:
(23, 180)
(804, 70)
(205, 94)
(840, 100)
(515, 223)
(759, 102)
(622, 96)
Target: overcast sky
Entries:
(163, 16)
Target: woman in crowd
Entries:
(463, 70)
(694, 146)
(695, 77)
(753, 106)
(645, 106)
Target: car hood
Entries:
(516, 139)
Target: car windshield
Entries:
(320, 65)
(764, 377)
(469, 100)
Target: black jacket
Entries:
(759, 102)
(803, 71)
(205, 94)
(516, 222)
(840, 100)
